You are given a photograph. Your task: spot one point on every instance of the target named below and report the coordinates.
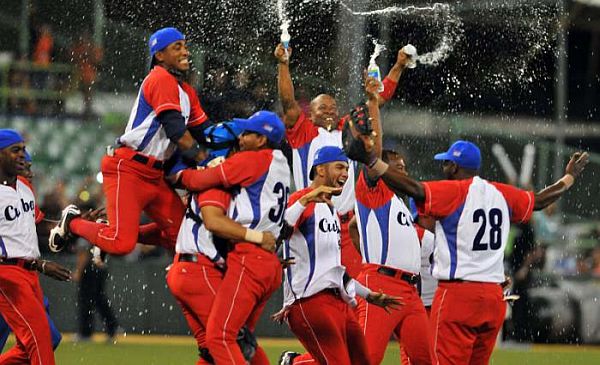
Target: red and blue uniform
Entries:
(259, 182)
(391, 253)
(473, 220)
(133, 176)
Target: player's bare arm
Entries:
(551, 194)
(218, 223)
(395, 72)
(52, 270)
(285, 86)
(321, 194)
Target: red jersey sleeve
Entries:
(389, 89)
(197, 114)
(443, 197)
(308, 210)
(302, 132)
(244, 168)
(215, 198)
(161, 91)
(520, 202)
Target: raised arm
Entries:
(291, 109)
(391, 80)
(551, 194)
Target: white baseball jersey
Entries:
(160, 91)
(387, 233)
(428, 282)
(473, 220)
(18, 235)
(193, 236)
(315, 247)
(306, 139)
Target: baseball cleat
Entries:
(60, 235)
(287, 357)
(99, 257)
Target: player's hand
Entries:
(54, 270)
(280, 55)
(384, 301)
(269, 242)
(402, 60)
(94, 214)
(322, 194)
(372, 88)
(577, 163)
(285, 263)
(174, 179)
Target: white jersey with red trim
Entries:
(160, 91)
(385, 225)
(260, 182)
(428, 282)
(473, 220)
(316, 248)
(193, 237)
(306, 139)
(18, 235)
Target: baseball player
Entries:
(473, 219)
(166, 115)
(317, 289)
(21, 298)
(308, 133)
(201, 249)
(391, 252)
(258, 176)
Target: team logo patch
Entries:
(456, 153)
(268, 128)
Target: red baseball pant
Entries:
(195, 286)
(328, 329)
(22, 305)
(351, 258)
(252, 276)
(130, 188)
(409, 323)
(405, 360)
(465, 320)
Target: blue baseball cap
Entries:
(463, 153)
(221, 138)
(8, 137)
(160, 39)
(325, 155)
(263, 122)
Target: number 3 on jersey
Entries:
(282, 193)
(494, 219)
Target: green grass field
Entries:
(177, 350)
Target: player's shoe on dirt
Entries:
(60, 235)
(287, 357)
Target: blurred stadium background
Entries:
(517, 72)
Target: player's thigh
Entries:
(414, 334)
(126, 193)
(451, 338)
(486, 340)
(166, 209)
(357, 344)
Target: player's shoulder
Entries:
(158, 77)
(298, 194)
(26, 183)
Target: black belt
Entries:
(187, 257)
(144, 160)
(412, 279)
(334, 291)
(26, 264)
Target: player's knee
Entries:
(123, 246)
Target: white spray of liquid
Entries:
(452, 31)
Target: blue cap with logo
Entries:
(8, 137)
(465, 154)
(221, 138)
(263, 122)
(162, 38)
(325, 155)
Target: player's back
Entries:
(470, 239)
(259, 202)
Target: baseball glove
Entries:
(247, 342)
(357, 123)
